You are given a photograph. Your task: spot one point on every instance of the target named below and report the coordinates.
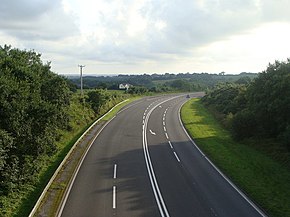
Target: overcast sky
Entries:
(149, 36)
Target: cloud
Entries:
(36, 20)
(143, 33)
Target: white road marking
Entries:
(177, 158)
(163, 123)
(166, 135)
(153, 133)
(114, 197)
(217, 169)
(158, 196)
(115, 171)
(164, 129)
(170, 144)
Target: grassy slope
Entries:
(264, 180)
(81, 117)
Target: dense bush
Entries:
(33, 105)
(226, 97)
(40, 112)
(260, 108)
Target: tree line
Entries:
(33, 105)
(258, 108)
(162, 82)
(36, 106)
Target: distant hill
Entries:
(200, 81)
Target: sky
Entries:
(149, 36)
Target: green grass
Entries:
(20, 203)
(117, 108)
(266, 181)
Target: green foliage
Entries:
(97, 98)
(39, 116)
(265, 180)
(284, 137)
(6, 162)
(260, 108)
(244, 124)
(182, 85)
(226, 97)
(33, 107)
(269, 99)
(137, 90)
(163, 82)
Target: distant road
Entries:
(143, 164)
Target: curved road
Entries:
(143, 164)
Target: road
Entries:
(143, 164)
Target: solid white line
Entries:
(177, 158)
(115, 171)
(170, 144)
(37, 204)
(59, 212)
(217, 169)
(158, 196)
(114, 197)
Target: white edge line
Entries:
(218, 170)
(37, 204)
(137, 102)
(67, 192)
(150, 170)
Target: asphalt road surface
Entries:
(143, 164)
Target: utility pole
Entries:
(81, 72)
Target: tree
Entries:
(269, 99)
(226, 98)
(33, 105)
(97, 98)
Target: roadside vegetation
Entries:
(244, 129)
(41, 116)
(242, 123)
(162, 83)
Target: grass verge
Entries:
(81, 118)
(264, 180)
(118, 108)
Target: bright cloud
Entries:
(137, 36)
